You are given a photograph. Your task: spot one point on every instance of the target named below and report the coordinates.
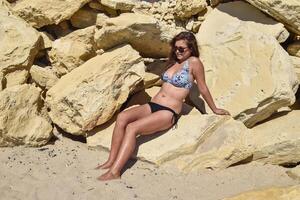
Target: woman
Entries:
(162, 112)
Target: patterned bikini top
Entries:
(180, 78)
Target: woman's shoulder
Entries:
(194, 61)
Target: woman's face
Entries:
(182, 50)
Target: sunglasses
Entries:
(180, 49)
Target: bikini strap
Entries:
(186, 65)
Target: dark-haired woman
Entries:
(162, 112)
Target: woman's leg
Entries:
(153, 123)
(123, 119)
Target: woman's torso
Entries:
(172, 94)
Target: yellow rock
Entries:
(21, 121)
(287, 12)
(39, 13)
(90, 94)
(248, 72)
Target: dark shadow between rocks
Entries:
(272, 117)
(289, 165)
(78, 138)
(243, 162)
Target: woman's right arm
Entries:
(199, 75)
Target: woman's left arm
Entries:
(199, 75)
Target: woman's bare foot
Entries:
(109, 176)
(105, 165)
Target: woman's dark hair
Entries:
(191, 43)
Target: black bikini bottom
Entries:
(156, 107)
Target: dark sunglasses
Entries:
(180, 49)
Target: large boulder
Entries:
(21, 120)
(223, 146)
(143, 32)
(92, 93)
(239, 12)
(71, 51)
(247, 71)
(273, 193)
(287, 12)
(19, 43)
(273, 142)
(277, 141)
(39, 13)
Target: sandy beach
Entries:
(65, 170)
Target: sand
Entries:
(65, 170)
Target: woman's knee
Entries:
(131, 129)
(122, 119)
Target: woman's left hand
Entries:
(220, 111)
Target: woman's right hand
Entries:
(220, 111)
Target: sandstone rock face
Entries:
(223, 146)
(242, 13)
(143, 32)
(294, 49)
(123, 5)
(287, 12)
(17, 77)
(71, 51)
(186, 9)
(84, 17)
(92, 93)
(274, 193)
(19, 43)
(247, 71)
(44, 77)
(277, 141)
(39, 13)
(21, 122)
